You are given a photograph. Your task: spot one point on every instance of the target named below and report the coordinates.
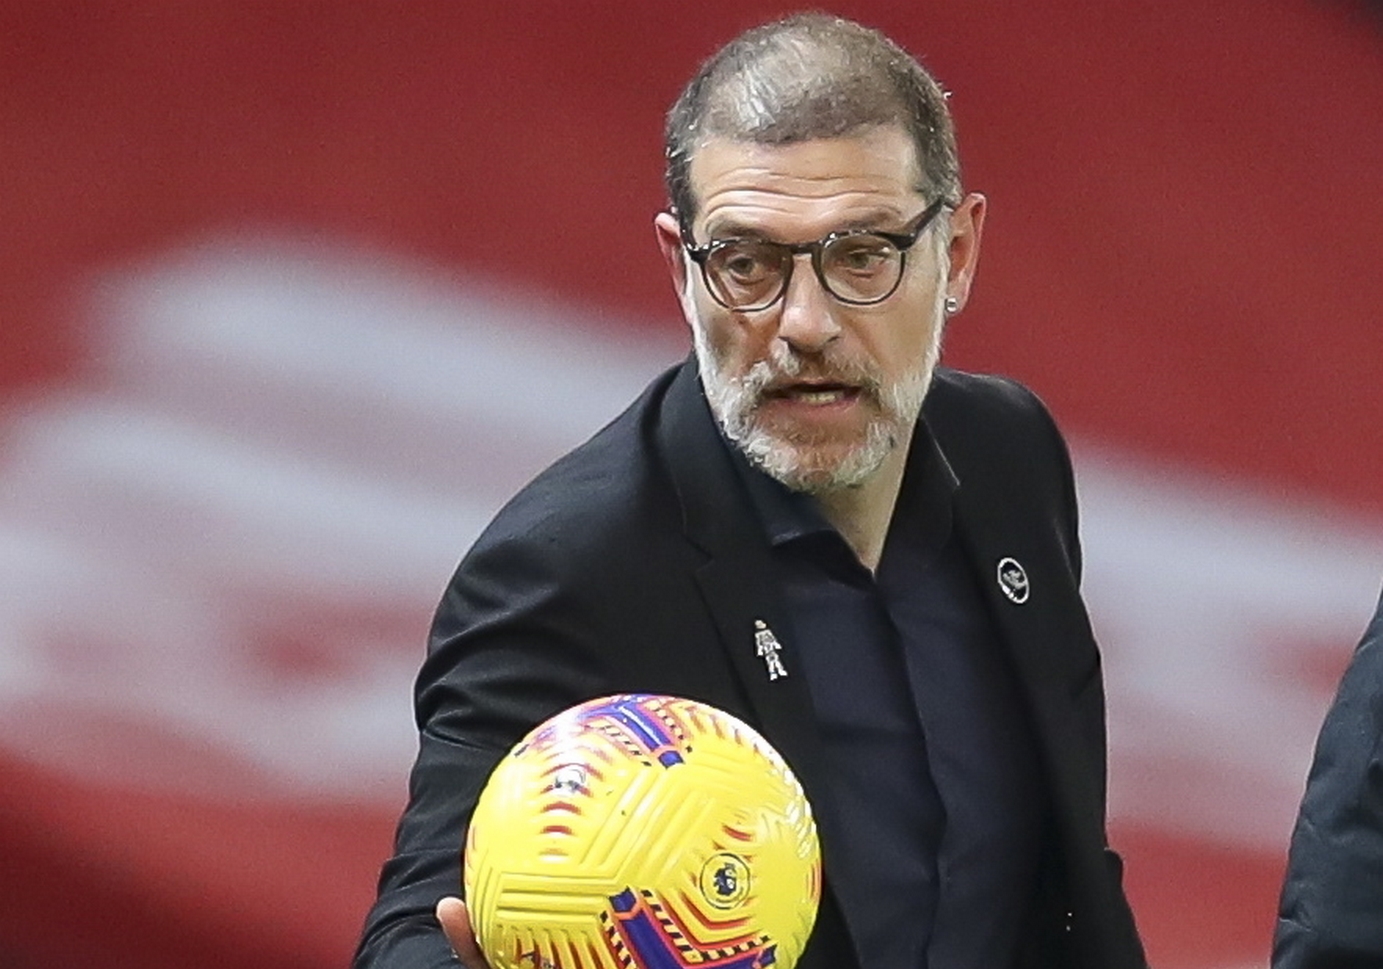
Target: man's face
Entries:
(816, 392)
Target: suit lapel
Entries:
(1033, 595)
(736, 579)
(1030, 593)
(1056, 663)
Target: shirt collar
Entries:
(929, 484)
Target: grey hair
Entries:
(810, 76)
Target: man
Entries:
(1331, 916)
(918, 567)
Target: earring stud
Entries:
(952, 306)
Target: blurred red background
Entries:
(277, 282)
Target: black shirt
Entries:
(934, 806)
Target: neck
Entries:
(862, 514)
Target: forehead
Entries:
(809, 185)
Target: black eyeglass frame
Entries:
(902, 241)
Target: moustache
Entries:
(786, 370)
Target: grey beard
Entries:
(734, 401)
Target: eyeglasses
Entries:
(856, 266)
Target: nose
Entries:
(806, 321)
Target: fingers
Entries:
(456, 923)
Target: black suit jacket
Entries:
(1331, 912)
(635, 564)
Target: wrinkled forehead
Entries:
(875, 166)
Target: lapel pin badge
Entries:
(1013, 580)
(767, 646)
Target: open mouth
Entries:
(814, 393)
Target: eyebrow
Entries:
(731, 229)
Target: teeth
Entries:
(820, 396)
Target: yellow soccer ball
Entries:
(642, 832)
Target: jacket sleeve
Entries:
(507, 650)
(1331, 912)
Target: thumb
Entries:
(456, 924)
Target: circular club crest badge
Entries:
(1013, 580)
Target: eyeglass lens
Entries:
(752, 274)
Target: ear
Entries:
(967, 225)
(669, 235)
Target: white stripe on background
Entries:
(289, 444)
